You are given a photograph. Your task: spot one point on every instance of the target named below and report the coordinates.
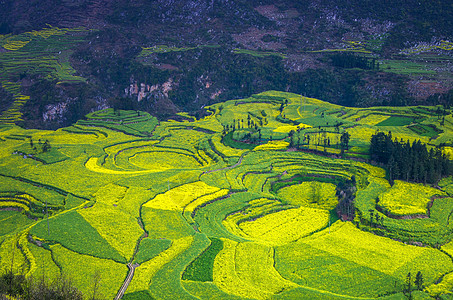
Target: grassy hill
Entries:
(200, 210)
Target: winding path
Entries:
(129, 277)
(227, 168)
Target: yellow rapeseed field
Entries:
(366, 249)
(310, 193)
(84, 268)
(177, 198)
(246, 270)
(288, 128)
(407, 198)
(118, 228)
(272, 145)
(285, 226)
(145, 272)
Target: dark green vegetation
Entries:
(201, 268)
(73, 231)
(396, 121)
(141, 295)
(136, 123)
(164, 58)
(20, 288)
(409, 162)
(150, 248)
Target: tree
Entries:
(315, 192)
(408, 286)
(344, 141)
(46, 146)
(419, 280)
(96, 281)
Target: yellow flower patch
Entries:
(288, 128)
(15, 45)
(310, 193)
(227, 151)
(272, 145)
(176, 199)
(285, 226)
(435, 290)
(448, 248)
(82, 270)
(247, 270)
(160, 160)
(118, 228)
(92, 165)
(44, 259)
(145, 272)
(407, 198)
(448, 151)
(11, 256)
(372, 119)
(110, 194)
(364, 248)
(5, 203)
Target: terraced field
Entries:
(201, 211)
(38, 53)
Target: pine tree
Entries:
(408, 287)
(419, 280)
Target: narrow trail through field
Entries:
(127, 281)
(228, 168)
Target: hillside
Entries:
(260, 199)
(60, 60)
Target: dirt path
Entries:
(127, 281)
(227, 168)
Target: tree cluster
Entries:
(19, 287)
(350, 60)
(44, 147)
(409, 162)
(410, 286)
(346, 193)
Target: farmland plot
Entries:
(207, 213)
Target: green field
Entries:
(205, 211)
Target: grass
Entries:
(73, 232)
(430, 131)
(85, 270)
(396, 121)
(201, 269)
(405, 67)
(258, 53)
(228, 140)
(150, 248)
